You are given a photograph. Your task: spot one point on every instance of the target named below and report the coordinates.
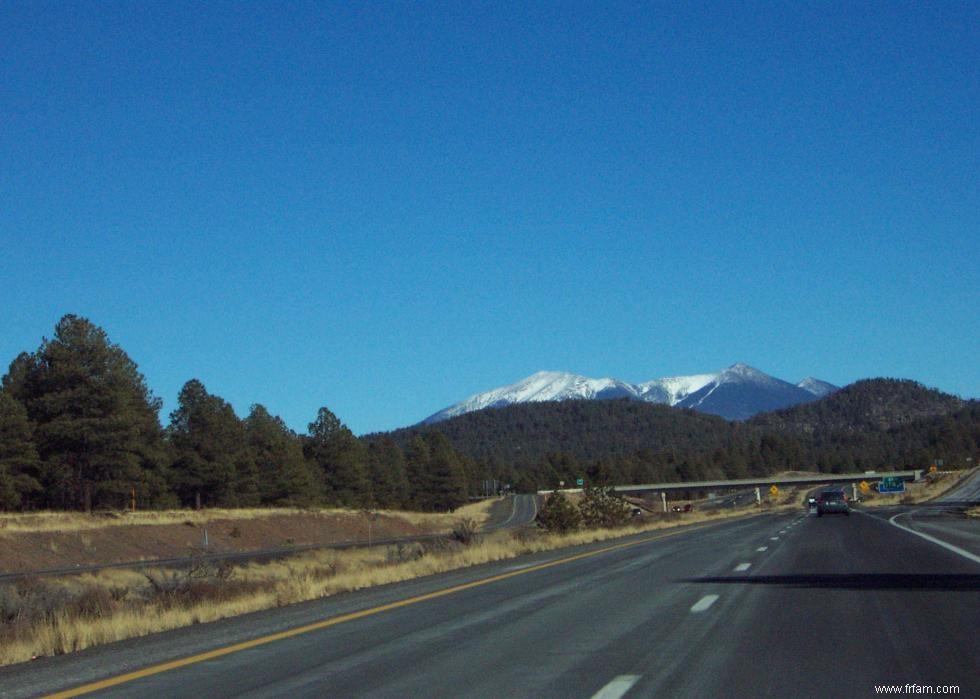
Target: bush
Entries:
(558, 515)
(464, 532)
(601, 507)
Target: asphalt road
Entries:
(771, 606)
(512, 512)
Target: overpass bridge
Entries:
(815, 479)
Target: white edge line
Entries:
(939, 542)
(617, 687)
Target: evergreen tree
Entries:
(342, 458)
(285, 477)
(386, 464)
(558, 515)
(446, 483)
(95, 421)
(417, 459)
(19, 463)
(212, 466)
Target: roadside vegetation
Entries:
(932, 486)
(51, 616)
(16, 522)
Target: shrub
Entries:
(601, 507)
(464, 532)
(558, 515)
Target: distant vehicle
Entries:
(811, 501)
(832, 502)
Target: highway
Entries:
(769, 606)
(512, 512)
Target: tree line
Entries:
(80, 430)
(879, 424)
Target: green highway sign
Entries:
(891, 484)
(580, 482)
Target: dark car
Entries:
(832, 502)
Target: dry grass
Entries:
(477, 511)
(79, 521)
(117, 604)
(931, 486)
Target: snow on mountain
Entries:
(542, 386)
(817, 387)
(736, 393)
(673, 389)
(741, 391)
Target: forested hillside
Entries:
(80, 429)
(881, 424)
(871, 404)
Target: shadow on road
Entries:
(857, 581)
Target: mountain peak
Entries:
(735, 393)
(817, 387)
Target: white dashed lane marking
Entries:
(617, 688)
(704, 603)
(762, 548)
(742, 566)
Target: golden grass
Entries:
(299, 578)
(79, 521)
(932, 486)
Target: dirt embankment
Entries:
(109, 538)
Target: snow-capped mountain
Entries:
(736, 393)
(817, 387)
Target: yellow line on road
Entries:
(343, 618)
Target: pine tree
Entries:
(19, 462)
(285, 477)
(95, 421)
(212, 466)
(342, 458)
(558, 515)
(447, 481)
(386, 465)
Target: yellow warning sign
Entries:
(774, 490)
(864, 486)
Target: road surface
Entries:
(786, 605)
(513, 512)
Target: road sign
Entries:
(864, 486)
(773, 489)
(580, 482)
(891, 484)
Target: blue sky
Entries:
(386, 207)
